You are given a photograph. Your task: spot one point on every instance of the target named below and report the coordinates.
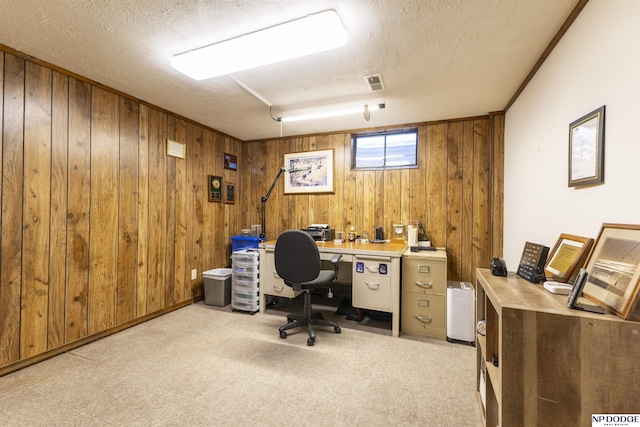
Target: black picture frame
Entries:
(230, 193)
(586, 149)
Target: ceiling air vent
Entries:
(375, 82)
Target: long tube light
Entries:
(332, 113)
(300, 37)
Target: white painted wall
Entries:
(596, 63)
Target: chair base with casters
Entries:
(298, 264)
(308, 319)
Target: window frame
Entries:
(385, 133)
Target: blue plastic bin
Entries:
(244, 242)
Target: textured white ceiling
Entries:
(439, 59)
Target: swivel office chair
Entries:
(298, 263)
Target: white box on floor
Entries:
(460, 312)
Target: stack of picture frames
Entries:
(612, 263)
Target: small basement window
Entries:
(393, 149)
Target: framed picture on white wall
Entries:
(586, 149)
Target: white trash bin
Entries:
(461, 324)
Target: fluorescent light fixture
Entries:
(332, 113)
(311, 34)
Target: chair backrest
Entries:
(297, 257)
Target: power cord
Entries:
(276, 119)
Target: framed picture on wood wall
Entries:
(230, 161)
(176, 149)
(614, 270)
(215, 188)
(309, 172)
(586, 149)
(230, 193)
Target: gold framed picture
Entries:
(567, 257)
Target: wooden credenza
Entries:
(553, 365)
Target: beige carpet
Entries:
(202, 366)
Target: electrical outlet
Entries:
(194, 274)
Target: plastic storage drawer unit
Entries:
(245, 280)
(239, 267)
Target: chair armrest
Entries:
(335, 260)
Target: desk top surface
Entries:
(392, 249)
(515, 292)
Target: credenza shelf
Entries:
(555, 366)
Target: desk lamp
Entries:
(264, 199)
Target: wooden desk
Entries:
(375, 274)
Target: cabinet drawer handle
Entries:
(278, 288)
(372, 285)
(424, 285)
(424, 269)
(424, 319)
(372, 269)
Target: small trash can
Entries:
(217, 287)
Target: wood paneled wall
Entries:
(99, 228)
(455, 192)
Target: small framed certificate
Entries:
(567, 256)
(176, 149)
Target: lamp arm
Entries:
(264, 202)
